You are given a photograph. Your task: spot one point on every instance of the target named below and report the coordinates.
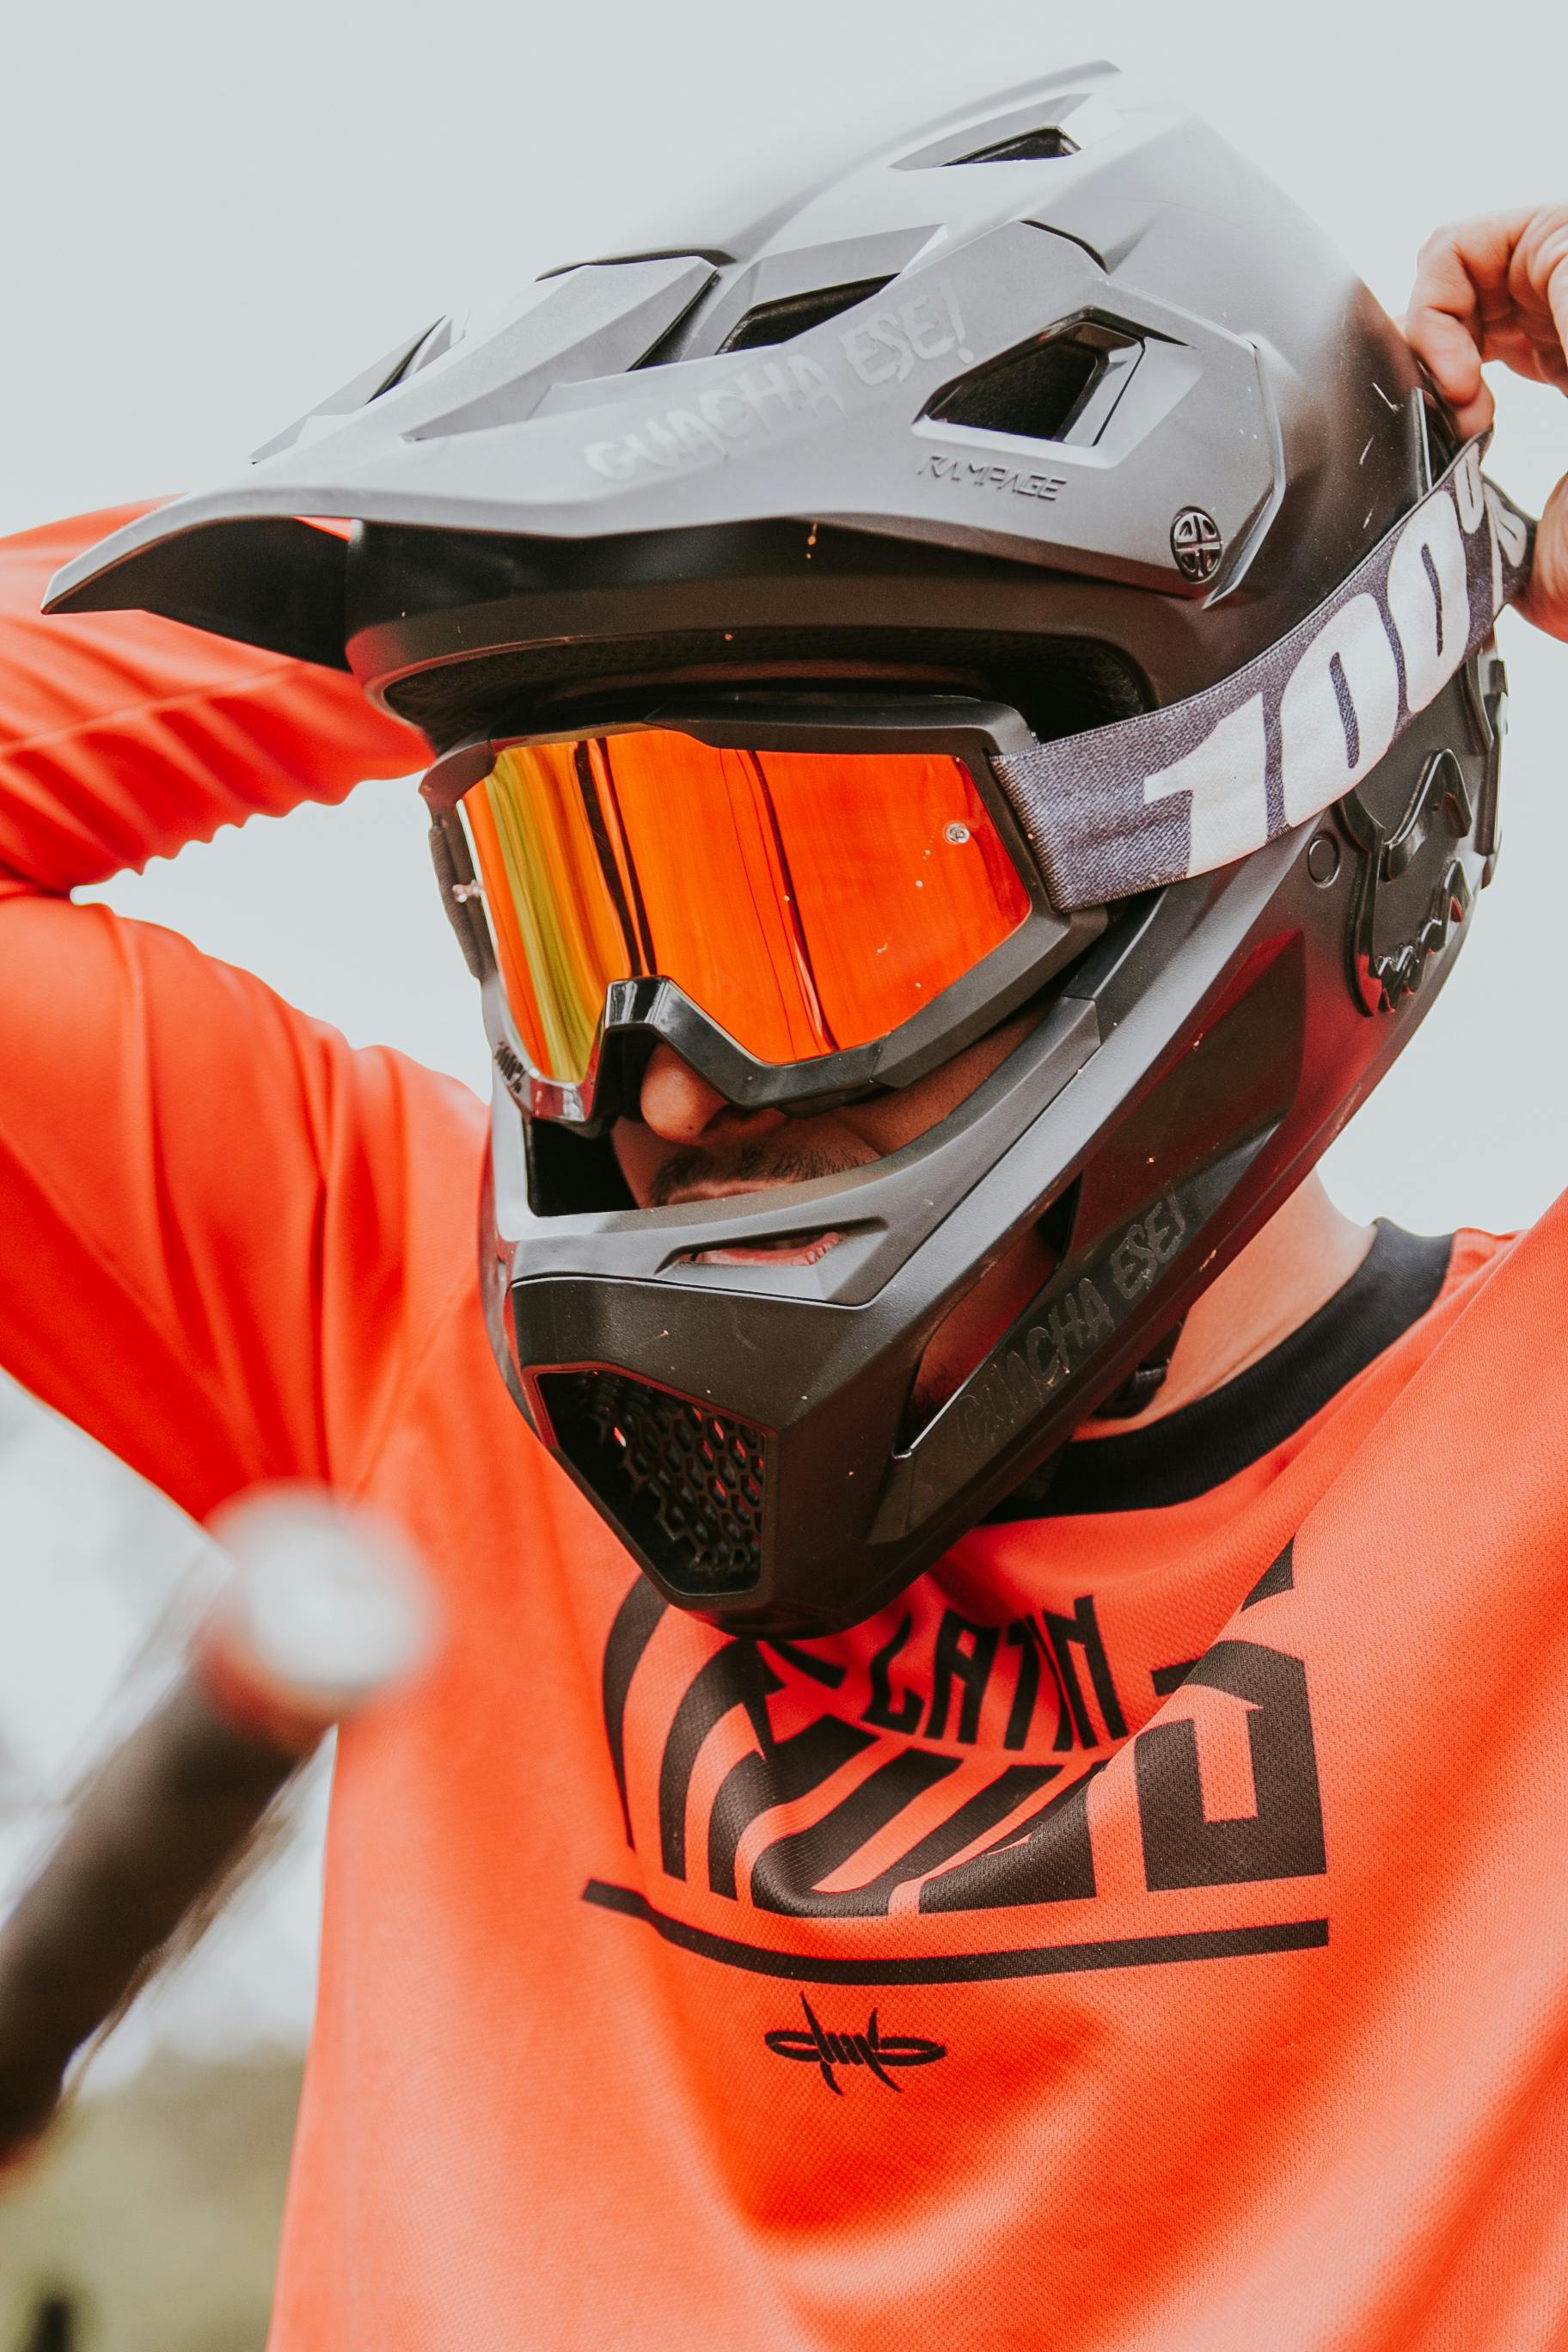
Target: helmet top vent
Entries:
(1038, 393)
(1047, 144)
(792, 314)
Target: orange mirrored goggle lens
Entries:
(807, 901)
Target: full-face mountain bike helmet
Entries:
(1026, 571)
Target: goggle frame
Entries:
(638, 1012)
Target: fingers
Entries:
(1545, 598)
(1493, 289)
(1498, 290)
(1463, 270)
(1538, 287)
(1451, 353)
(1462, 289)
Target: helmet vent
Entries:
(687, 1484)
(1036, 393)
(1062, 386)
(794, 314)
(1046, 145)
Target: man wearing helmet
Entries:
(967, 735)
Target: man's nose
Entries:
(682, 1107)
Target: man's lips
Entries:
(783, 1252)
(787, 1249)
(713, 1188)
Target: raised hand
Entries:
(1497, 288)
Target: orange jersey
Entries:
(1146, 1935)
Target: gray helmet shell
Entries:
(834, 365)
(1054, 402)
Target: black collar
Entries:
(1204, 1444)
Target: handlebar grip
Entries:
(171, 1806)
(324, 1611)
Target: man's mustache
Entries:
(753, 1165)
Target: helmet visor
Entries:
(806, 901)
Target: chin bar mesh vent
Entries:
(687, 1484)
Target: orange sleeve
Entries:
(221, 1224)
(124, 736)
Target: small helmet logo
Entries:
(1196, 544)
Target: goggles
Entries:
(807, 901)
(810, 900)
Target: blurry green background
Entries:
(153, 2208)
(155, 2211)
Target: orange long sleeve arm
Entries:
(124, 736)
(217, 1217)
